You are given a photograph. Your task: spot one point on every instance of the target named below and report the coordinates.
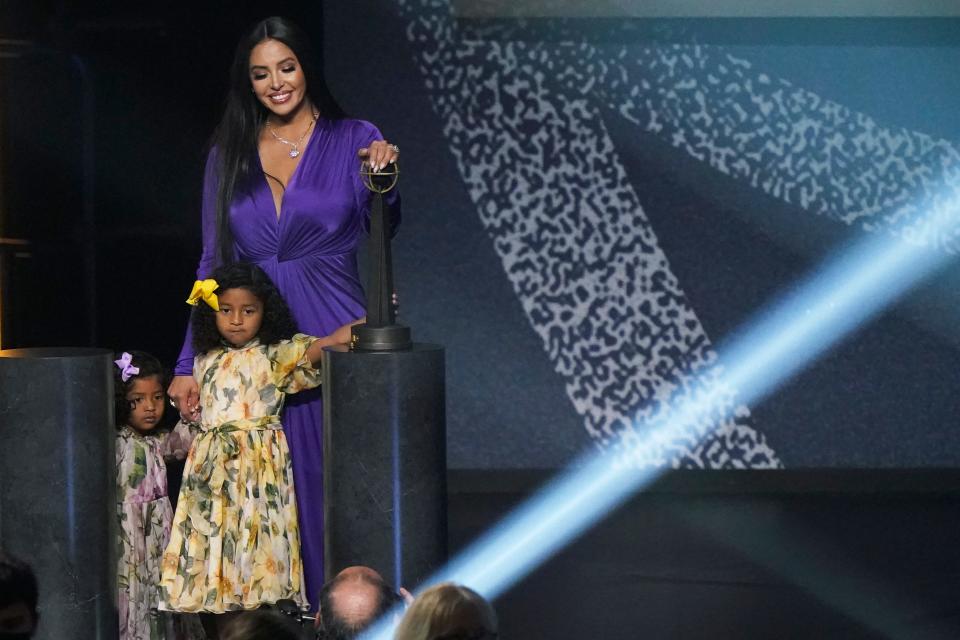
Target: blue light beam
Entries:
(833, 302)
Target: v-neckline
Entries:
(278, 208)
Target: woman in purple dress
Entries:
(282, 189)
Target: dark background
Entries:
(110, 265)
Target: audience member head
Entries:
(352, 601)
(18, 598)
(448, 611)
(262, 624)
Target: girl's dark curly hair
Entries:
(149, 366)
(278, 323)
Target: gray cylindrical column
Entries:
(385, 462)
(57, 486)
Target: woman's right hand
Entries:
(185, 395)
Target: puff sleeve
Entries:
(292, 372)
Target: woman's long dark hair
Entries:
(235, 138)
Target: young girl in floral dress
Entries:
(144, 513)
(235, 543)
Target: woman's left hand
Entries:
(379, 154)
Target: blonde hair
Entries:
(448, 611)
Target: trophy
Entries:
(384, 430)
(381, 331)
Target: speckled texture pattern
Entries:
(573, 239)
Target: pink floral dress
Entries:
(144, 515)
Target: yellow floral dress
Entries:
(235, 543)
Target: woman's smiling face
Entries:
(277, 78)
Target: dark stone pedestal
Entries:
(57, 486)
(385, 462)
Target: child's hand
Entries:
(343, 334)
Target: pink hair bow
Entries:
(127, 370)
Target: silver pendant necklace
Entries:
(294, 146)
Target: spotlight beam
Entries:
(831, 304)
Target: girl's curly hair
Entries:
(278, 323)
(149, 367)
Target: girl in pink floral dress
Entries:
(144, 512)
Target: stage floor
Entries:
(740, 554)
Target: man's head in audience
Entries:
(18, 598)
(352, 601)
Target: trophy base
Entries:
(392, 337)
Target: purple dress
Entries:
(310, 253)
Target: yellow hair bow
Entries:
(204, 290)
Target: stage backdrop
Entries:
(592, 203)
(596, 194)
